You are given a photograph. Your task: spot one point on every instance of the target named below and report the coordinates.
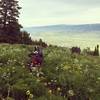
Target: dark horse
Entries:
(75, 50)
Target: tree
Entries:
(96, 51)
(9, 14)
(41, 43)
(25, 38)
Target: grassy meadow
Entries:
(64, 75)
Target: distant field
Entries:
(86, 35)
(82, 40)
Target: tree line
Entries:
(10, 29)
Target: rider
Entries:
(40, 51)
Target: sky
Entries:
(53, 12)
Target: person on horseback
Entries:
(36, 58)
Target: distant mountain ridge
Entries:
(64, 28)
(87, 35)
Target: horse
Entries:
(75, 50)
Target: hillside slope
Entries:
(64, 28)
(64, 75)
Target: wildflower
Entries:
(28, 92)
(30, 73)
(98, 78)
(81, 72)
(14, 60)
(49, 83)
(31, 96)
(13, 71)
(50, 91)
(58, 89)
(38, 74)
(86, 70)
(9, 74)
(45, 84)
(13, 68)
(71, 92)
(33, 68)
(57, 68)
(91, 90)
(8, 69)
(55, 80)
(51, 80)
(79, 67)
(23, 66)
(4, 74)
(1, 64)
(76, 60)
(38, 80)
(22, 63)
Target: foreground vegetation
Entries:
(64, 75)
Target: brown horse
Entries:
(75, 50)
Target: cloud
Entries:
(42, 12)
(81, 2)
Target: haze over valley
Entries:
(86, 35)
